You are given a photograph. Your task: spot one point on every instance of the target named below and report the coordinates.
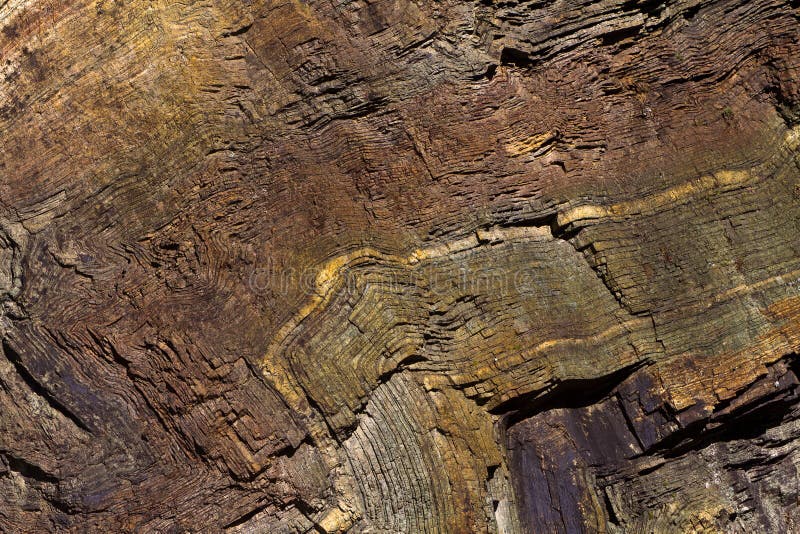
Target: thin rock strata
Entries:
(395, 266)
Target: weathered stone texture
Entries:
(399, 266)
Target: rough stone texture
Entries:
(396, 266)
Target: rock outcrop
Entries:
(399, 266)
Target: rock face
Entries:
(397, 266)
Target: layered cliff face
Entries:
(395, 266)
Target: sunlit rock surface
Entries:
(395, 266)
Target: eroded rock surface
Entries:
(395, 266)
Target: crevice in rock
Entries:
(38, 388)
(28, 469)
(745, 422)
(488, 74)
(788, 109)
(576, 393)
(740, 426)
(646, 7)
(400, 367)
(241, 520)
(240, 31)
(610, 512)
(619, 37)
(537, 432)
(308, 512)
(513, 57)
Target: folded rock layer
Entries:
(398, 266)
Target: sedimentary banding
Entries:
(507, 312)
(489, 315)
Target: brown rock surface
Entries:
(396, 266)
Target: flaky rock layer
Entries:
(397, 266)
